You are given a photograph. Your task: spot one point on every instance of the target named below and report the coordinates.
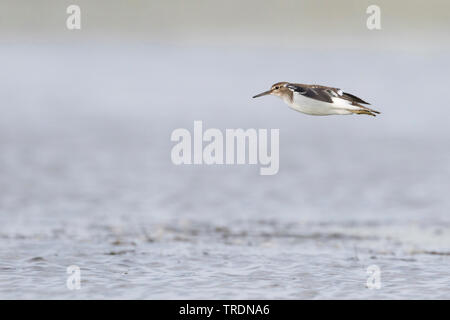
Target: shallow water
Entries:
(86, 177)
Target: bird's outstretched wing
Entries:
(323, 93)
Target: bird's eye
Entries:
(276, 88)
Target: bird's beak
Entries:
(263, 94)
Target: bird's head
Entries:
(278, 89)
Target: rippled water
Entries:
(86, 176)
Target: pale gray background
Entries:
(85, 171)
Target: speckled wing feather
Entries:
(323, 93)
(313, 92)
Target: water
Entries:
(86, 176)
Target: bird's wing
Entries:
(353, 99)
(323, 93)
(313, 92)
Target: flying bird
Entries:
(318, 100)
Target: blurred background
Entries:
(86, 177)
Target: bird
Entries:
(318, 100)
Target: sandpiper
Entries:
(318, 100)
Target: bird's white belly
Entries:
(316, 107)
